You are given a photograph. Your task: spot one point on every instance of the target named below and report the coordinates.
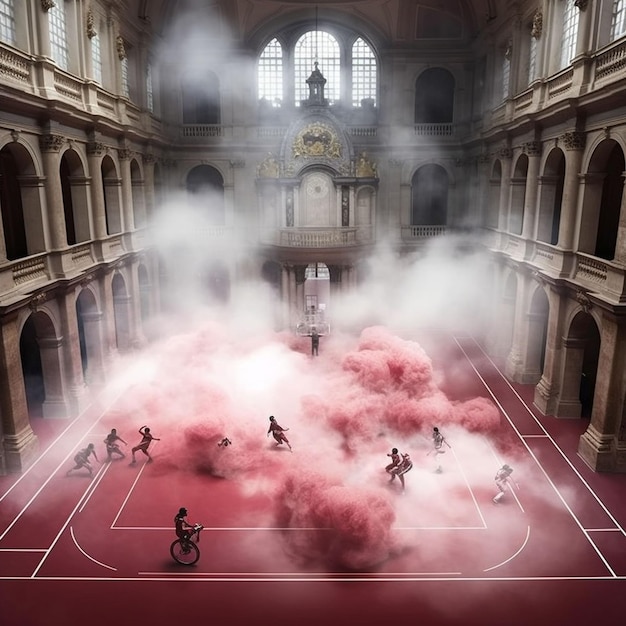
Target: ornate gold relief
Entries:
(365, 168)
(317, 140)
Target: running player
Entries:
(144, 444)
(278, 432)
(503, 481)
(82, 459)
(395, 461)
(111, 445)
(438, 441)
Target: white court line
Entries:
(41, 456)
(489, 569)
(56, 539)
(22, 550)
(541, 468)
(262, 575)
(283, 529)
(554, 443)
(456, 458)
(87, 555)
(310, 578)
(94, 484)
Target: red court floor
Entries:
(97, 550)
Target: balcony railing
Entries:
(412, 233)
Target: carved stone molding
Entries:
(91, 29)
(36, 301)
(125, 154)
(237, 163)
(574, 140)
(148, 158)
(505, 153)
(537, 27)
(46, 5)
(96, 148)
(51, 143)
(15, 135)
(583, 300)
(120, 47)
(581, 4)
(532, 148)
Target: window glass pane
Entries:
(125, 86)
(149, 89)
(532, 60)
(618, 21)
(570, 32)
(58, 35)
(270, 73)
(363, 73)
(96, 59)
(506, 77)
(322, 47)
(7, 21)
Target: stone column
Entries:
(94, 347)
(506, 156)
(533, 150)
(50, 146)
(598, 445)
(95, 152)
(568, 402)
(20, 443)
(546, 391)
(55, 403)
(128, 222)
(76, 391)
(620, 244)
(515, 362)
(574, 144)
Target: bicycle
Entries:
(185, 550)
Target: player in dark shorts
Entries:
(144, 444)
(278, 432)
(82, 459)
(111, 445)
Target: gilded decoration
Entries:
(317, 140)
(365, 168)
(268, 168)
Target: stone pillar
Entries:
(547, 390)
(568, 402)
(598, 445)
(94, 347)
(515, 362)
(506, 156)
(50, 146)
(43, 28)
(20, 443)
(620, 244)
(56, 403)
(76, 391)
(533, 150)
(128, 223)
(95, 152)
(574, 144)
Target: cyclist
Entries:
(181, 524)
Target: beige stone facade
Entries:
(526, 136)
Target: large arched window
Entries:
(322, 47)
(429, 191)
(7, 21)
(363, 73)
(347, 62)
(201, 101)
(270, 73)
(570, 32)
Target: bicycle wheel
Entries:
(184, 552)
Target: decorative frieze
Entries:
(96, 148)
(532, 148)
(574, 140)
(537, 27)
(120, 47)
(125, 154)
(46, 5)
(91, 29)
(505, 153)
(51, 143)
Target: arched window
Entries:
(434, 97)
(96, 58)
(429, 191)
(363, 74)
(270, 74)
(322, 47)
